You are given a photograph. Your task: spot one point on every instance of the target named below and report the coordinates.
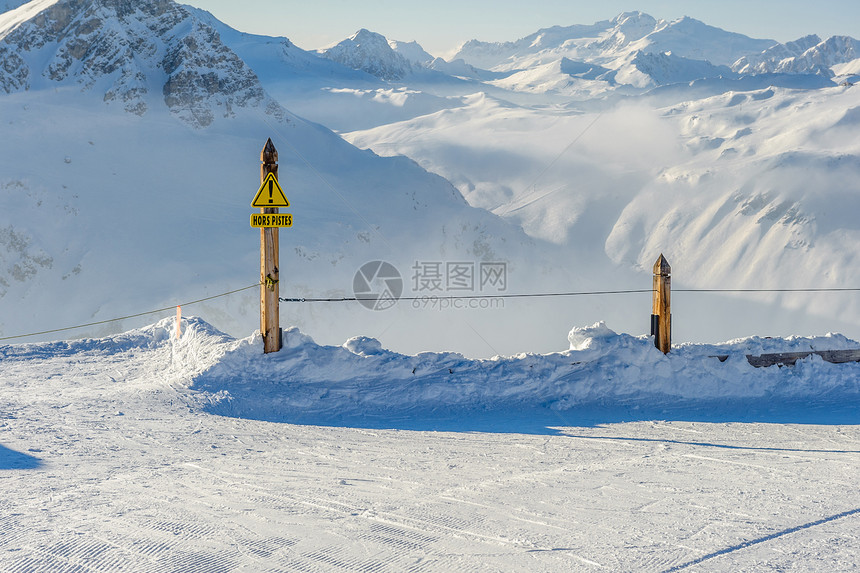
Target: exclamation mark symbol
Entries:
(271, 183)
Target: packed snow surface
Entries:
(139, 452)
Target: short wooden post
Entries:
(661, 317)
(269, 272)
(178, 321)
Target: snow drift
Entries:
(362, 382)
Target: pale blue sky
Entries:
(442, 25)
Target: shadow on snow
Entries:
(12, 460)
(548, 421)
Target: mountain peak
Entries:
(633, 18)
(365, 35)
(369, 52)
(132, 52)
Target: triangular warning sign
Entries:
(270, 194)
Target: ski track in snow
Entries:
(112, 463)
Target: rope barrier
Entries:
(468, 297)
(430, 297)
(560, 294)
(709, 290)
(130, 315)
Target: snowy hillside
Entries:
(738, 190)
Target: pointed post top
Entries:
(269, 155)
(661, 267)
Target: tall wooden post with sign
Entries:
(269, 197)
(661, 317)
(269, 272)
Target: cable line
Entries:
(432, 297)
(766, 290)
(560, 294)
(130, 315)
(467, 297)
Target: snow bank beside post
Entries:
(362, 382)
(361, 379)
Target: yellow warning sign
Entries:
(270, 194)
(271, 220)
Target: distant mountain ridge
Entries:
(609, 40)
(633, 49)
(188, 59)
(808, 55)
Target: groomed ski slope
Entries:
(139, 452)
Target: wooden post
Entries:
(661, 317)
(269, 291)
(178, 321)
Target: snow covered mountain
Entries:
(370, 52)
(321, 89)
(631, 51)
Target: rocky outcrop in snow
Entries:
(134, 53)
(369, 52)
